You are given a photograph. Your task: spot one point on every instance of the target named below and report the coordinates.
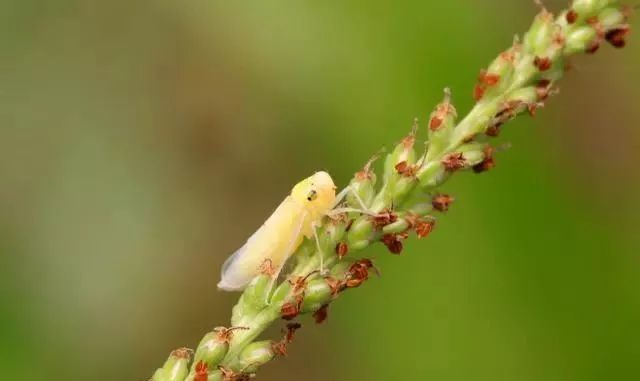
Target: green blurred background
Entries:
(143, 141)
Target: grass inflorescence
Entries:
(403, 195)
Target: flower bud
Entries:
(332, 233)
(611, 17)
(441, 124)
(399, 226)
(361, 229)
(418, 204)
(317, 293)
(339, 269)
(403, 154)
(281, 293)
(359, 245)
(432, 174)
(402, 187)
(256, 294)
(176, 367)
(579, 39)
(473, 153)
(211, 350)
(255, 355)
(540, 36)
(523, 96)
(363, 185)
(499, 75)
(588, 8)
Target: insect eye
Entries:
(312, 195)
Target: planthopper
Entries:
(281, 234)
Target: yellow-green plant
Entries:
(405, 196)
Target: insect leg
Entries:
(341, 196)
(338, 211)
(343, 193)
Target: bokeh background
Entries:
(141, 142)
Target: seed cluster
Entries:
(405, 199)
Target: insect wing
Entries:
(276, 240)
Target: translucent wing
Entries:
(276, 240)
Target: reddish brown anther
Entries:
(393, 243)
(335, 285)
(493, 130)
(593, 47)
(409, 141)
(454, 161)
(290, 310)
(442, 111)
(509, 55)
(542, 89)
(617, 37)
(384, 218)
(320, 316)
(202, 371)
(478, 92)
(402, 166)
(488, 162)
(435, 123)
(406, 170)
(441, 202)
(488, 79)
(291, 331)
(571, 16)
(542, 63)
(342, 249)
(359, 272)
(368, 263)
(424, 228)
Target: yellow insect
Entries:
(279, 237)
